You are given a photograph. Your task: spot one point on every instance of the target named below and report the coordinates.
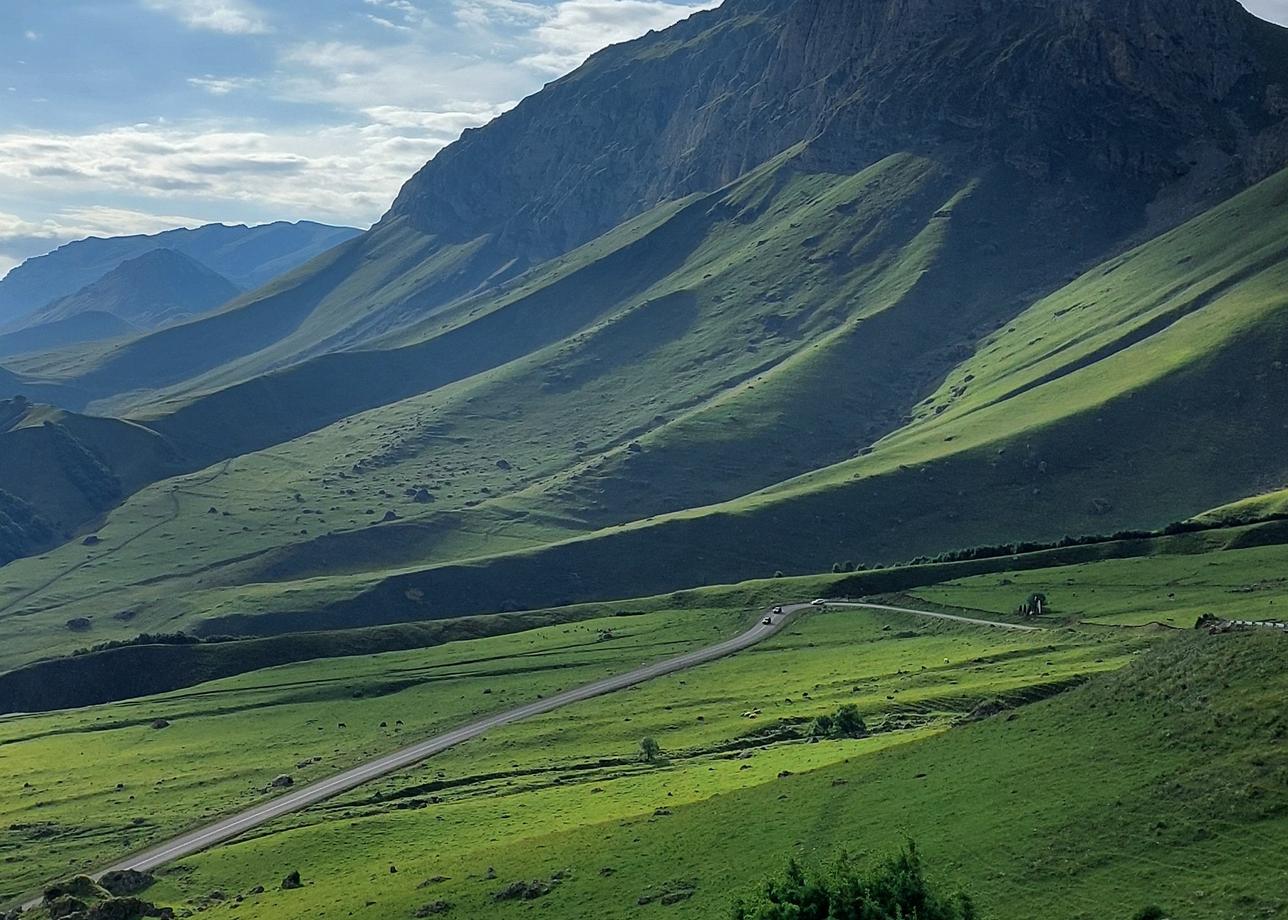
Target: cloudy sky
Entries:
(129, 116)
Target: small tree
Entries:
(650, 750)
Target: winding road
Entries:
(203, 838)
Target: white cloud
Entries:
(31, 36)
(347, 172)
(232, 17)
(221, 86)
(575, 29)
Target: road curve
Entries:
(203, 838)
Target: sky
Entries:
(134, 116)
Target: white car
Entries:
(819, 602)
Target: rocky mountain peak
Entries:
(1137, 91)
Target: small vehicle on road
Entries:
(777, 611)
(819, 602)
(767, 621)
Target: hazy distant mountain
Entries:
(152, 290)
(245, 256)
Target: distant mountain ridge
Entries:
(245, 256)
(158, 287)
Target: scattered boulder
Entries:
(160, 723)
(433, 909)
(65, 906)
(523, 891)
(285, 781)
(670, 893)
(292, 881)
(126, 909)
(422, 497)
(389, 516)
(80, 886)
(92, 540)
(125, 882)
(985, 710)
(80, 624)
(503, 465)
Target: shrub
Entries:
(846, 723)
(1152, 912)
(895, 890)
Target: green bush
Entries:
(896, 889)
(846, 723)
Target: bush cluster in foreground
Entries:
(896, 889)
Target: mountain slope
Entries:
(87, 326)
(155, 289)
(1157, 106)
(71, 468)
(880, 341)
(247, 256)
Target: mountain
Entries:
(155, 289)
(1130, 116)
(246, 256)
(787, 284)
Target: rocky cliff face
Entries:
(1171, 100)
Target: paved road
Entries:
(1018, 627)
(228, 828)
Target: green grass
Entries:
(1132, 789)
(1162, 783)
(228, 739)
(1244, 584)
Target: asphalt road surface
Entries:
(228, 828)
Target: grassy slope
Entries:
(703, 383)
(74, 467)
(664, 348)
(1163, 782)
(1065, 426)
(1239, 584)
(229, 738)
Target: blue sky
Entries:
(127, 116)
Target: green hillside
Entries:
(716, 376)
(72, 468)
(1100, 767)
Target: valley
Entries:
(463, 565)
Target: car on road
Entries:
(777, 611)
(819, 602)
(767, 621)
